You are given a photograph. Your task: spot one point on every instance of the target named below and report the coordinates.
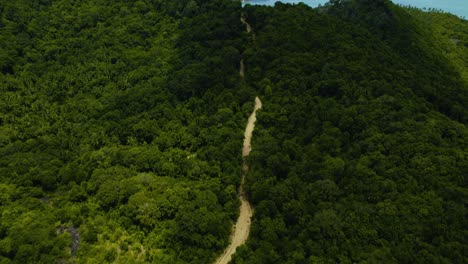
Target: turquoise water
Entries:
(457, 7)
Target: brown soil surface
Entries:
(241, 229)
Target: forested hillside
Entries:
(123, 121)
(121, 128)
(360, 151)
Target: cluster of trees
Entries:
(124, 121)
(448, 33)
(359, 153)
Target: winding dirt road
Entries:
(242, 226)
(247, 26)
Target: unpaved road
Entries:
(249, 28)
(242, 227)
(250, 127)
(241, 68)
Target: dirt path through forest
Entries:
(242, 226)
(249, 28)
(241, 69)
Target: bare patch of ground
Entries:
(242, 226)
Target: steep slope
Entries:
(360, 150)
(121, 121)
(418, 47)
(241, 229)
(448, 33)
(121, 125)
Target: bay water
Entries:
(456, 7)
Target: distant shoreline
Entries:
(460, 11)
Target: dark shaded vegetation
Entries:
(123, 122)
(359, 153)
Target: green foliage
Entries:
(352, 158)
(121, 130)
(111, 124)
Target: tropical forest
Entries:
(216, 132)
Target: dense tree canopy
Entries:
(121, 130)
(359, 155)
(112, 122)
